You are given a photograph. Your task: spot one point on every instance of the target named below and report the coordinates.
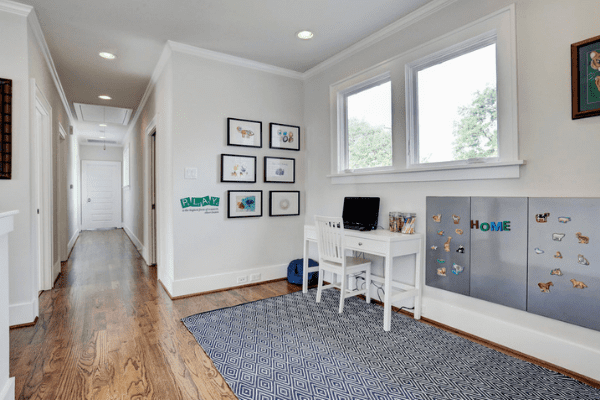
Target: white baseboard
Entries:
(8, 391)
(72, 241)
(568, 346)
(22, 313)
(56, 268)
(136, 242)
(184, 287)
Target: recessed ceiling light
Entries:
(102, 124)
(102, 137)
(104, 97)
(108, 56)
(305, 35)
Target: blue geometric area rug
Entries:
(291, 347)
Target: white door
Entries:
(101, 194)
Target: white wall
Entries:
(560, 154)
(73, 194)
(98, 153)
(211, 250)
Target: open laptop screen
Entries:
(361, 213)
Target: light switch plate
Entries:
(191, 173)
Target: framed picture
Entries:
(585, 78)
(280, 170)
(286, 137)
(243, 132)
(236, 168)
(5, 128)
(284, 203)
(244, 203)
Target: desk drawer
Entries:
(366, 245)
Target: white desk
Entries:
(382, 243)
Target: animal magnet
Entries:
(582, 239)
(433, 247)
(578, 284)
(457, 269)
(564, 220)
(545, 287)
(582, 260)
(557, 237)
(461, 249)
(245, 132)
(441, 233)
(455, 219)
(538, 250)
(542, 217)
(441, 271)
(437, 218)
(558, 255)
(556, 271)
(459, 231)
(441, 261)
(595, 56)
(447, 244)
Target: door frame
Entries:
(41, 187)
(119, 225)
(151, 247)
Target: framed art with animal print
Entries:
(244, 132)
(5, 128)
(585, 78)
(236, 168)
(285, 137)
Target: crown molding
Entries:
(34, 23)
(229, 59)
(158, 69)
(395, 27)
(15, 8)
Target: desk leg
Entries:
(305, 268)
(418, 286)
(387, 299)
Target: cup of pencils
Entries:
(396, 220)
(408, 226)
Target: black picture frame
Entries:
(278, 207)
(6, 138)
(239, 129)
(585, 78)
(235, 197)
(234, 169)
(279, 170)
(284, 137)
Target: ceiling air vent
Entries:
(101, 141)
(102, 114)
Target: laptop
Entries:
(361, 213)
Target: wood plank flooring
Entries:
(109, 331)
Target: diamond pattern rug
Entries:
(291, 347)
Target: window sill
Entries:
(500, 170)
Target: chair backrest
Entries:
(330, 238)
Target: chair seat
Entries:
(351, 263)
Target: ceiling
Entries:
(137, 30)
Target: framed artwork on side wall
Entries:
(244, 132)
(285, 137)
(284, 203)
(5, 128)
(236, 168)
(244, 203)
(280, 170)
(585, 78)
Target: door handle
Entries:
(89, 200)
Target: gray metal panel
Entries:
(446, 207)
(499, 258)
(563, 301)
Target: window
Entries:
(367, 125)
(455, 120)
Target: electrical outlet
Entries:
(254, 277)
(242, 279)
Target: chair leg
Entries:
(343, 292)
(368, 283)
(320, 285)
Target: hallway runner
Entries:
(291, 347)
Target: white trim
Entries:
(149, 223)
(55, 271)
(125, 181)
(61, 132)
(229, 59)
(184, 287)
(398, 26)
(72, 241)
(22, 313)
(8, 391)
(136, 242)
(15, 8)
(41, 40)
(151, 125)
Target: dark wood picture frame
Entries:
(235, 174)
(271, 178)
(5, 128)
(585, 78)
(238, 135)
(287, 141)
(234, 208)
(275, 209)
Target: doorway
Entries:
(153, 199)
(101, 194)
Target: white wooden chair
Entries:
(332, 258)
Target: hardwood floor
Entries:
(109, 331)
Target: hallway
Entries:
(109, 331)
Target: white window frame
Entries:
(342, 114)
(503, 25)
